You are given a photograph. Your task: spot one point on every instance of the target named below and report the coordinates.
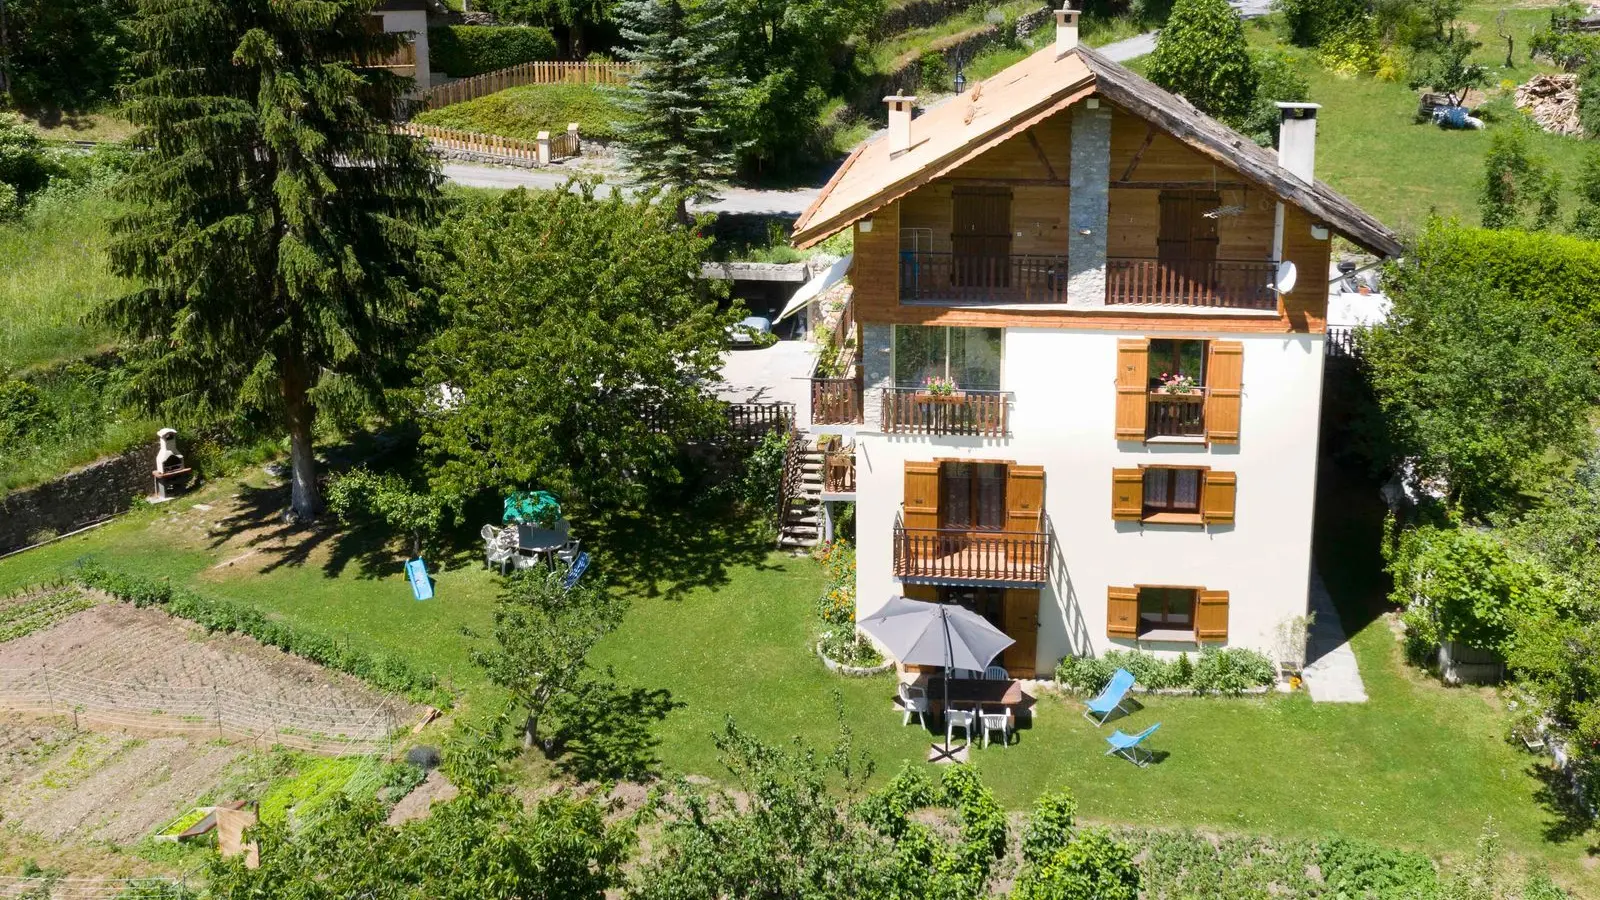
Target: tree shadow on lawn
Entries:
(607, 731)
(676, 549)
(1570, 820)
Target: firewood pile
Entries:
(1552, 100)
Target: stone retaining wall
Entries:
(76, 499)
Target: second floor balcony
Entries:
(1209, 283)
(961, 412)
(836, 401)
(972, 556)
(932, 276)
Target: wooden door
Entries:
(1022, 625)
(980, 237)
(1186, 243)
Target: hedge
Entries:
(381, 670)
(465, 50)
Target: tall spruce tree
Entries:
(277, 216)
(676, 137)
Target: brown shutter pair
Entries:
(1024, 498)
(922, 495)
(1218, 496)
(1224, 387)
(1210, 614)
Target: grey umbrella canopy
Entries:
(935, 634)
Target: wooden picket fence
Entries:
(563, 145)
(530, 73)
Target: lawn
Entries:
(721, 626)
(53, 270)
(523, 112)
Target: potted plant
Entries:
(940, 389)
(1176, 383)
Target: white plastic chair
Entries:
(568, 553)
(996, 673)
(996, 721)
(914, 701)
(489, 533)
(963, 719)
(498, 553)
(963, 674)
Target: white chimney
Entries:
(1066, 29)
(900, 122)
(1297, 139)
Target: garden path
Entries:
(1331, 673)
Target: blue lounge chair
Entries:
(1110, 698)
(1127, 746)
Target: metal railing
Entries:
(915, 411)
(965, 555)
(1175, 415)
(1224, 283)
(836, 401)
(1342, 342)
(1015, 278)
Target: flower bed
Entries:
(839, 645)
(1231, 672)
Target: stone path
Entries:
(1331, 674)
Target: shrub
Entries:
(1050, 826)
(523, 112)
(1352, 48)
(1084, 674)
(1149, 670)
(1307, 23)
(465, 50)
(1202, 54)
(1232, 671)
(1277, 82)
(1354, 868)
(1092, 865)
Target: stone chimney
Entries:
(1066, 30)
(1297, 139)
(900, 106)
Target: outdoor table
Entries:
(974, 693)
(538, 541)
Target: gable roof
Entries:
(1034, 89)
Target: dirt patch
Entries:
(119, 643)
(434, 789)
(102, 786)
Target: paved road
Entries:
(735, 200)
(1139, 45)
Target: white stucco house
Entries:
(409, 17)
(1091, 327)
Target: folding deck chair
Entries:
(1110, 698)
(1127, 746)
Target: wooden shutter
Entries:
(1224, 386)
(1022, 626)
(922, 495)
(1217, 498)
(1127, 495)
(980, 236)
(1211, 616)
(1024, 498)
(1122, 612)
(1133, 386)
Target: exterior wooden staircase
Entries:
(800, 496)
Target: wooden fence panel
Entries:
(599, 73)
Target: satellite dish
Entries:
(1287, 275)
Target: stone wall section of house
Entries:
(76, 499)
(1089, 212)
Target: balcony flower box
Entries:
(931, 397)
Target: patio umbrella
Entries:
(531, 506)
(936, 634)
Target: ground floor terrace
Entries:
(719, 626)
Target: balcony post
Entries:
(876, 372)
(1089, 211)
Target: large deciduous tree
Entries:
(277, 216)
(580, 351)
(1202, 54)
(677, 135)
(63, 55)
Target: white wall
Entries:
(1064, 381)
(414, 21)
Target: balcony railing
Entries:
(915, 411)
(839, 469)
(971, 556)
(1175, 415)
(1016, 278)
(836, 401)
(1231, 285)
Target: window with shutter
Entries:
(1211, 617)
(1224, 388)
(1133, 386)
(1122, 612)
(1127, 494)
(1219, 497)
(1025, 498)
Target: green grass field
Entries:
(1418, 766)
(52, 272)
(523, 112)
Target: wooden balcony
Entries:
(1175, 415)
(958, 555)
(948, 278)
(839, 469)
(1225, 284)
(915, 411)
(836, 401)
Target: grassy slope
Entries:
(523, 112)
(52, 272)
(1418, 766)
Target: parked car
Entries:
(751, 331)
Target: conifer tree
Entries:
(676, 137)
(277, 216)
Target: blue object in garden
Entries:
(580, 565)
(1450, 116)
(532, 508)
(1110, 698)
(1127, 746)
(417, 574)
